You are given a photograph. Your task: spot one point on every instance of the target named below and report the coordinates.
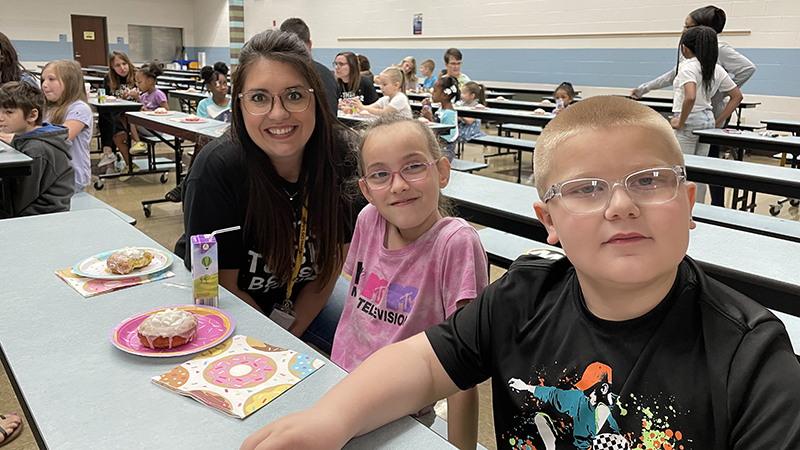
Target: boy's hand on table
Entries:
(6, 137)
(301, 430)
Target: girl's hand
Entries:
(634, 95)
(426, 113)
(675, 122)
(343, 105)
(355, 101)
(426, 101)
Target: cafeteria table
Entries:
(82, 392)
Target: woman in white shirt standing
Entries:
(697, 79)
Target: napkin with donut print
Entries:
(89, 287)
(239, 376)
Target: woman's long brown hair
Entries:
(269, 214)
(113, 79)
(354, 81)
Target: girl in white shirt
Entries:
(394, 99)
(698, 79)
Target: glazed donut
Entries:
(240, 371)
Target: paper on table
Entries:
(89, 287)
(239, 376)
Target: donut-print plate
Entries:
(213, 326)
(95, 266)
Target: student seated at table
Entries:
(51, 183)
(364, 65)
(10, 67)
(427, 67)
(120, 81)
(151, 99)
(472, 94)
(409, 67)
(623, 344)
(452, 61)
(445, 91)
(564, 96)
(350, 83)
(67, 105)
(218, 106)
(394, 98)
(431, 263)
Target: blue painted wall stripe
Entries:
(236, 2)
(236, 24)
(776, 69)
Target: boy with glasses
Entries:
(625, 343)
(452, 61)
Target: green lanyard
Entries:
(301, 248)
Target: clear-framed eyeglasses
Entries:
(259, 102)
(644, 187)
(411, 172)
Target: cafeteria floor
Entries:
(166, 225)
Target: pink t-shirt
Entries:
(395, 294)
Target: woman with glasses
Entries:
(350, 82)
(732, 61)
(278, 175)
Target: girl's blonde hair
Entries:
(113, 79)
(71, 77)
(395, 75)
(410, 77)
(395, 120)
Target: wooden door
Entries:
(89, 41)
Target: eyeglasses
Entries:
(454, 63)
(338, 64)
(411, 172)
(259, 103)
(644, 187)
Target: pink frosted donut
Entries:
(240, 371)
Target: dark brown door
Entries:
(89, 42)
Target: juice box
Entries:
(205, 270)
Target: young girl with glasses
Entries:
(411, 265)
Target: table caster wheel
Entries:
(147, 211)
(99, 185)
(774, 210)
(794, 202)
(164, 177)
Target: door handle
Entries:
(77, 55)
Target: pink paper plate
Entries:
(213, 326)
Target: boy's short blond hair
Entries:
(428, 64)
(600, 112)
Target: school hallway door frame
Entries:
(89, 40)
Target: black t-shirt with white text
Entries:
(216, 197)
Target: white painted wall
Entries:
(45, 20)
(773, 23)
(210, 23)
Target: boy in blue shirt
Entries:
(51, 183)
(623, 344)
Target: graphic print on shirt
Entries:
(582, 416)
(261, 278)
(387, 302)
